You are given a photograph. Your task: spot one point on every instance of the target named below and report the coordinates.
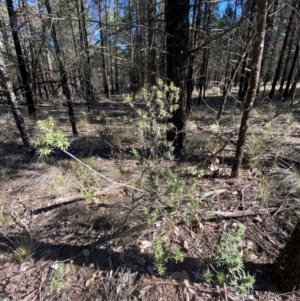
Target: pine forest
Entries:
(149, 150)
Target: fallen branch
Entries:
(248, 212)
(213, 193)
(75, 198)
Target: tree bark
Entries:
(286, 273)
(290, 76)
(102, 49)
(231, 81)
(62, 71)
(245, 75)
(287, 59)
(21, 61)
(253, 82)
(281, 56)
(87, 64)
(178, 71)
(11, 98)
(151, 43)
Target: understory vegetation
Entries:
(113, 215)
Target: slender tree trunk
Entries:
(21, 61)
(151, 43)
(231, 81)
(11, 98)
(102, 49)
(205, 55)
(62, 71)
(257, 54)
(293, 89)
(281, 56)
(87, 64)
(116, 64)
(245, 75)
(287, 60)
(290, 76)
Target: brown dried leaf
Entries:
(90, 281)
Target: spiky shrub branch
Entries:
(228, 262)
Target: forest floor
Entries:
(67, 234)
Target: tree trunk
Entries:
(253, 82)
(151, 43)
(231, 81)
(102, 49)
(284, 45)
(245, 75)
(178, 71)
(286, 274)
(11, 98)
(293, 89)
(87, 65)
(21, 61)
(62, 71)
(287, 60)
(289, 79)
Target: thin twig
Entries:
(101, 175)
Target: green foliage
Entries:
(163, 253)
(57, 283)
(228, 262)
(89, 193)
(50, 138)
(162, 182)
(266, 188)
(160, 101)
(24, 248)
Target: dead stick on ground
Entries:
(101, 175)
(74, 198)
(213, 193)
(248, 212)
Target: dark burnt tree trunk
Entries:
(21, 61)
(287, 59)
(77, 50)
(196, 37)
(245, 74)
(103, 43)
(286, 273)
(62, 71)
(87, 62)
(151, 43)
(205, 56)
(291, 73)
(116, 61)
(293, 89)
(281, 56)
(11, 98)
(178, 63)
(257, 53)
